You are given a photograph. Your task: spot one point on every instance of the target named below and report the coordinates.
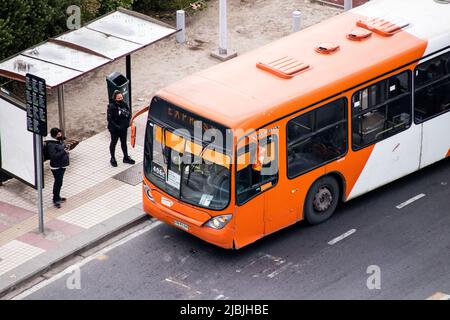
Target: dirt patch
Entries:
(251, 23)
(341, 2)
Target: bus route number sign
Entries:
(36, 102)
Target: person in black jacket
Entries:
(59, 161)
(119, 117)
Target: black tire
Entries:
(321, 200)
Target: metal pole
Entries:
(348, 4)
(128, 66)
(181, 25)
(223, 27)
(296, 20)
(61, 109)
(39, 180)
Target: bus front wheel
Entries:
(321, 200)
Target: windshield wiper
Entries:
(191, 167)
(163, 146)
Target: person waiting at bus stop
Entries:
(119, 117)
(58, 153)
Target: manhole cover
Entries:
(132, 176)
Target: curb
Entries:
(74, 246)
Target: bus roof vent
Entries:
(285, 67)
(359, 34)
(385, 26)
(327, 47)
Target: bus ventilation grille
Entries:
(359, 34)
(285, 67)
(385, 26)
(327, 48)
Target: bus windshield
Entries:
(196, 172)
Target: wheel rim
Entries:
(323, 199)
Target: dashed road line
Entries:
(178, 283)
(184, 286)
(279, 270)
(408, 202)
(342, 237)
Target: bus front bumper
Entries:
(221, 238)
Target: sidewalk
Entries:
(97, 204)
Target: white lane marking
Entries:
(69, 270)
(342, 237)
(178, 283)
(185, 286)
(220, 296)
(407, 202)
(279, 270)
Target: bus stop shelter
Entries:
(73, 54)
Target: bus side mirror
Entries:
(133, 135)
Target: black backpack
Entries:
(45, 154)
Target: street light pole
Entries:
(222, 52)
(223, 27)
(348, 5)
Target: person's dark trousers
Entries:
(115, 136)
(58, 174)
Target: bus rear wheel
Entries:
(321, 200)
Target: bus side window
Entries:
(432, 88)
(327, 140)
(257, 168)
(386, 115)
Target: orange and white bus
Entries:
(285, 132)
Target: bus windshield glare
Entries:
(187, 158)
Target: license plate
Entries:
(181, 225)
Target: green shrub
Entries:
(161, 5)
(24, 23)
(110, 5)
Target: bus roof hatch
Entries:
(285, 67)
(384, 26)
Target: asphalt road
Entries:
(411, 247)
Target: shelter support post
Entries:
(128, 72)
(61, 109)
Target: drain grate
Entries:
(132, 176)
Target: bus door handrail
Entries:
(133, 126)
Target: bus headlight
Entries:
(148, 193)
(219, 222)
